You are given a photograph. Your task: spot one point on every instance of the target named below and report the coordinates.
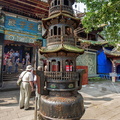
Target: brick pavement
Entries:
(101, 100)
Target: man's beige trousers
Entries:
(25, 92)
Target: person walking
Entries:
(16, 65)
(17, 55)
(26, 87)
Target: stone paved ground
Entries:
(9, 109)
(101, 100)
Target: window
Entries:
(51, 32)
(75, 6)
(58, 65)
(52, 4)
(59, 31)
(55, 2)
(49, 66)
(55, 30)
(54, 65)
(68, 30)
(66, 2)
(69, 65)
(58, 2)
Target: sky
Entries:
(80, 7)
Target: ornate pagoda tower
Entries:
(62, 80)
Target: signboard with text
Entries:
(21, 24)
(22, 29)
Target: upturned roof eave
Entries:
(59, 14)
(66, 48)
(93, 42)
(111, 53)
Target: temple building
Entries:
(91, 42)
(20, 28)
(101, 57)
(113, 54)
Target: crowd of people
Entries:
(12, 61)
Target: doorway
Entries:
(118, 69)
(22, 49)
(16, 57)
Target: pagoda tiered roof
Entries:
(61, 47)
(61, 14)
(45, 20)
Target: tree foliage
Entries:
(103, 12)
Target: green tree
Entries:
(103, 12)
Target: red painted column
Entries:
(85, 75)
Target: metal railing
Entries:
(65, 76)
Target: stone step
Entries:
(10, 77)
(9, 86)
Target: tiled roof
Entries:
(56, 48)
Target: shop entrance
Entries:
(16, 52)
(22, 49)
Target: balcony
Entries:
(62, 8)
(58, 39)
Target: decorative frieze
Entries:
(19, 37)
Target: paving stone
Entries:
(6, 110)
(100, 104)
(115, 117)
(106, 115)
(3, 114)
(30, 117)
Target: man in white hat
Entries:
(26, 87)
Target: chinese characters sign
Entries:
(21, 24)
